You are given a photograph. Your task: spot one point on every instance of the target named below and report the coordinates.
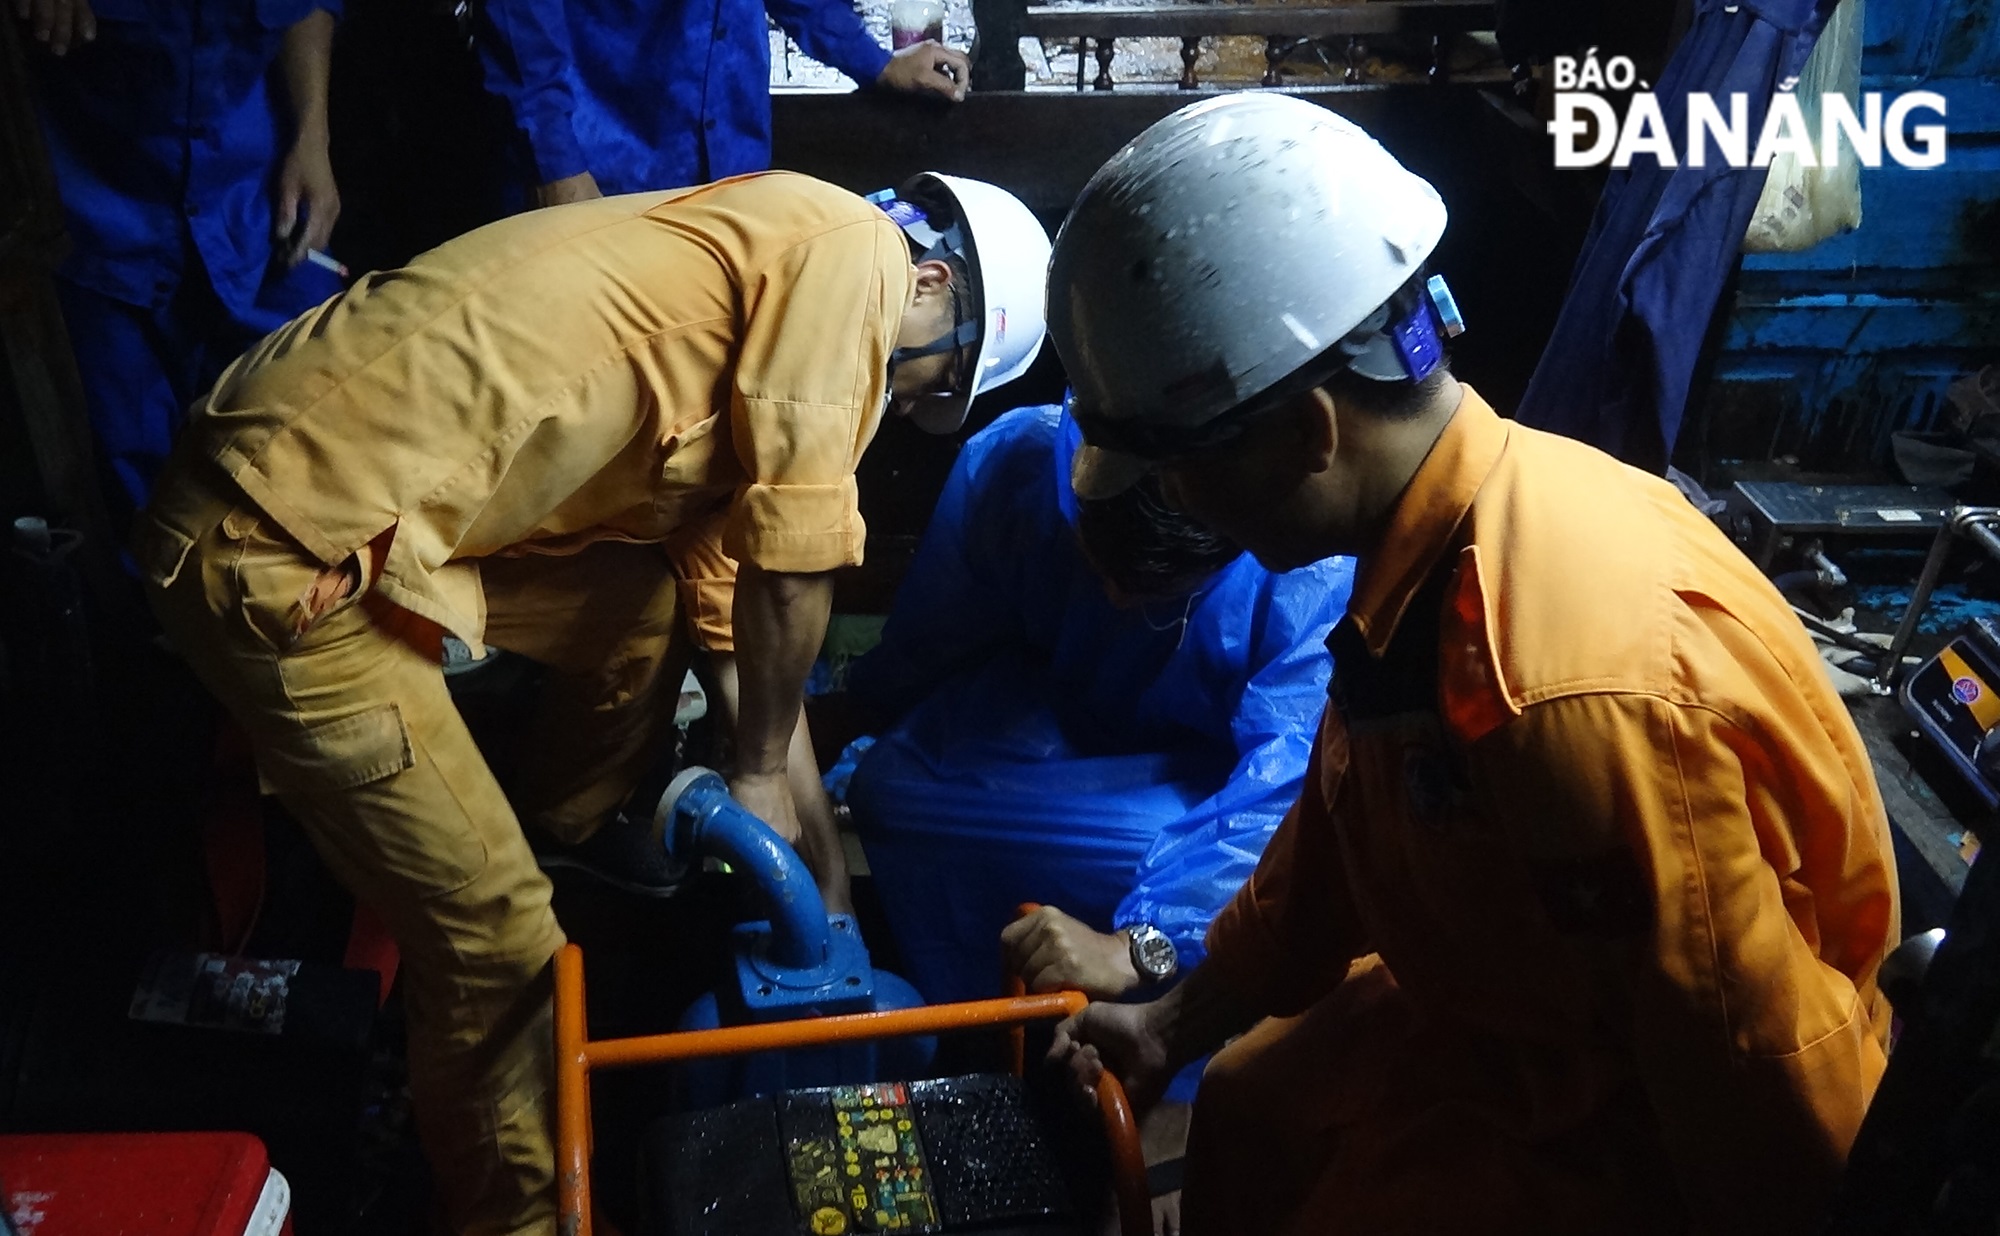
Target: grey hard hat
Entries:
(1224, 249)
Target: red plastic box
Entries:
(142, 1184)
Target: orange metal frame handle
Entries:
(1121, 1126)
(577, 1055)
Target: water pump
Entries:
(798, 961)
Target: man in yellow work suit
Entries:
(1576, 923)
(497, 441)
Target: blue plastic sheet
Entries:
(1126, 765)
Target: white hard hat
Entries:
(1221, 252)
(1006, 251)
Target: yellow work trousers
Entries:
(353, 728)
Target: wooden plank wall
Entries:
(1829, 351)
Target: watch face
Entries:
(1155, 953)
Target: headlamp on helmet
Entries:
(1401, 341)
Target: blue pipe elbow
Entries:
(697, 818)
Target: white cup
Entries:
(913, 21)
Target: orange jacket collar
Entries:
(1426, 517)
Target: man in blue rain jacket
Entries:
(609, 97)
(189, 141)
(1121, 761)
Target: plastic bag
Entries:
(1800, 205)
(1051, 746)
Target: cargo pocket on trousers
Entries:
(337, 755)
(380, 830)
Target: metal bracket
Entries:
(1975, 523)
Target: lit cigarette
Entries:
(327, 261)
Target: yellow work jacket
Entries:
(702, 367)
(1586, 790)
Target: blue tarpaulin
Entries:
(1617, 369)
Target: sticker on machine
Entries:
(208, 989)
(27, 1210)
(1965, 690)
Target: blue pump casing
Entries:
(798, 962)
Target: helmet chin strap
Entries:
(928, 243)
(966, 334)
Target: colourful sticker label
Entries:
(1964, 690)
(208, 989)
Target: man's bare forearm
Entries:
(819, 836)
(780, 622)
(308, 61)
(1200, 1015)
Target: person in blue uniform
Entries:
(1098, 706)
(611, 97)
(189, 141)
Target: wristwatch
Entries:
(1153, 953)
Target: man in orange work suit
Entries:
(498, 441)
(1576, 923)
